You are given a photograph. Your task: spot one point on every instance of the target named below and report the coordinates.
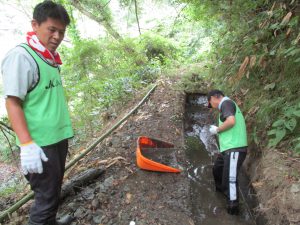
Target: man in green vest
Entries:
(232, 134)
(38, 111)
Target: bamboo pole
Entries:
(6, 213)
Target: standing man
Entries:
(232, 134)
(38, 111)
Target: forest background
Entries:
(249, 49)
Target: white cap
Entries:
(132, 223)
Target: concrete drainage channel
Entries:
(208, 206)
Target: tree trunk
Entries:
(137, 17)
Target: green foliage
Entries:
(99, 8)
(286, 126)
(193, 79)
(12, 187)
(158, 47)
(7, 141)
(101, 73)
(255, 54)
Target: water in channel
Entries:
(208, 206)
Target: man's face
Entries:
(50, 33)
(214, 101)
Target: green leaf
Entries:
(271, 143)
(270, 86)
(278, 123)
(297, 113)
(293, 52)
(275, 26)
(289, 50)
(297, 60)
(297, 148)
(272, 52)
(280, 134)
(291, 124)
(288, 111)
(271, 132)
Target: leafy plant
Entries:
(285, 125)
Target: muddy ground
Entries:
(125, 193)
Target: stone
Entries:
(295, 188)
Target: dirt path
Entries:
(125, 193)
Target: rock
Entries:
(95, 203)
(98, 216)
(295, 188)
(97, 219)
(116, 142)
(72, 206)
(106, 185)
(88, 193)
(79, 212)
(89, 217)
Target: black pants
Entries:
(226, 169)
(47, 186)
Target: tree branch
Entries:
(6, 126)
(101, 20)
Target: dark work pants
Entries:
(47, 186)
(226, 169)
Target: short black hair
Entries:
(48, 9)
(216, 93)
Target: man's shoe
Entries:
(218, 189)
(65, 220)
(233, 208)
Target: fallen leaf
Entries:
(128, 198)
(270, 86)
(247, 74)
(243, 68)
(263, 62)
(257, 184)
(287, 18)
(253, 110)
(252, 61)
(288, 32)
(273, 6)
(297, 39)
(191, 222)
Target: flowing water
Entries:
(209, 206)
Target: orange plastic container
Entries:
(148, 164)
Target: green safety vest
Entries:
(45, 107)
(235, 137)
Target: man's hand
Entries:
(31, 158)
(213, 129)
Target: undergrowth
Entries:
(255, 59)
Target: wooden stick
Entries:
(27, 197)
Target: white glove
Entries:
(213, 129)
(31, 158)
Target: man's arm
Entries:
(228, 123)
(17, 118)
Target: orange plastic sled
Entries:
(147, 164)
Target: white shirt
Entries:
(19, 72)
